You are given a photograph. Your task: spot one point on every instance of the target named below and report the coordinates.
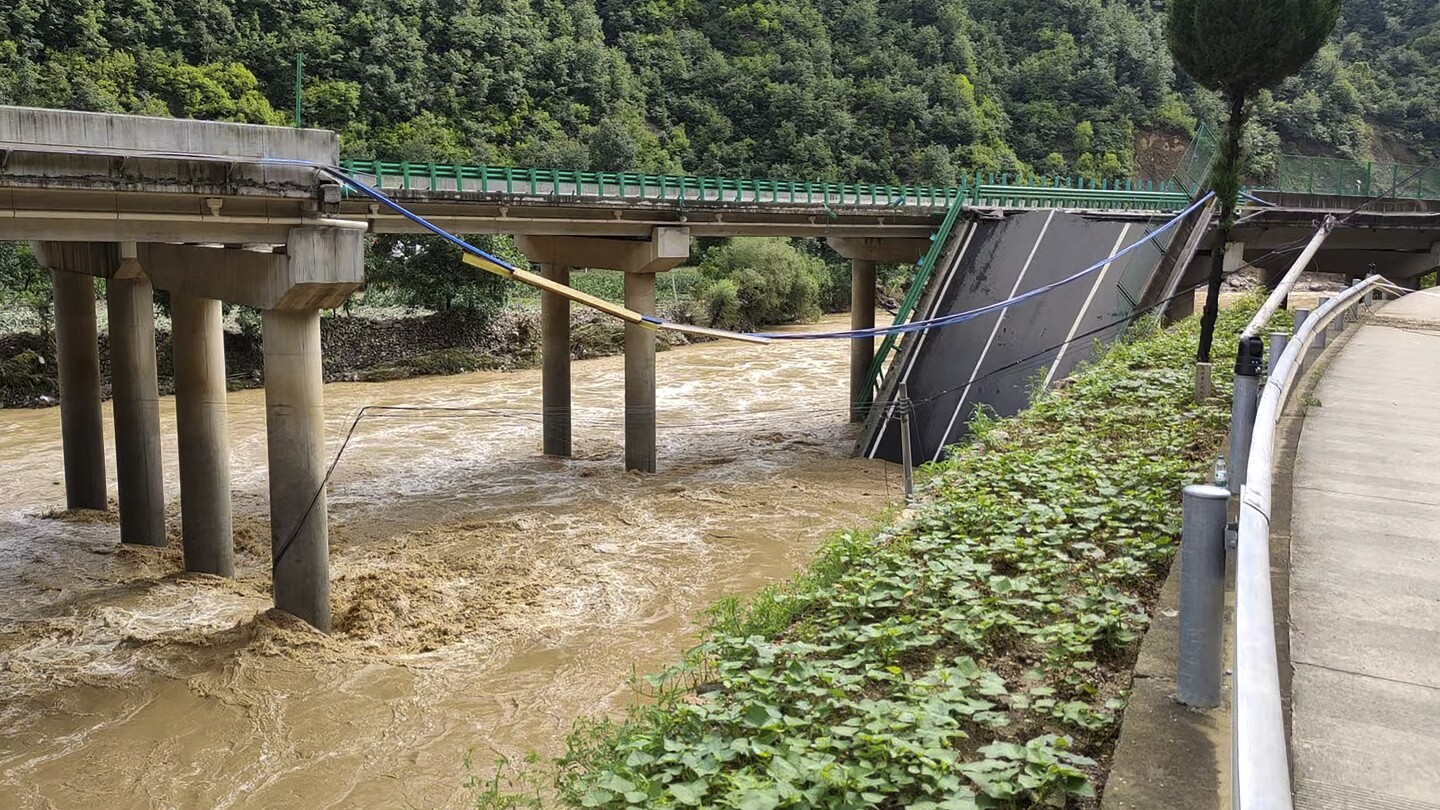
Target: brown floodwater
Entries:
(484, 596)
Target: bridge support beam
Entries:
(198, 345)
(862, 349)
(640, 376)
(555, 357)
(78, 354)
(864, 253)
(295, 441)
(640, 260)
(130, 301)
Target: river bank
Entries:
(485, 596)
(975, 653)
(355, 348)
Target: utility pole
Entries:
(905, 460)
(299, 86)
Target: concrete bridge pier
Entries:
(139, 477)
(864, 253)
(295, 447)
(78, 355)
(318, 268)
(640, 260)
(640, 376)
(202, 430)
(555, 358)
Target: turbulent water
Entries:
(484, 596)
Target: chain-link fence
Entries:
(1194, 168)
(1320, 175)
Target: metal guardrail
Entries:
(979, 190)
(1260, 764)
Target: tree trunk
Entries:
(1225, 181)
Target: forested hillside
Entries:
(870, 90)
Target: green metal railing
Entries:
(1340, 176)
(981, 190)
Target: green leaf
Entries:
(688, 793)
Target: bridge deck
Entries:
(1365, 571)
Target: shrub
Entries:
(746, 283)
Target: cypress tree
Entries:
(1239, 47)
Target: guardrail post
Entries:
(1277, 348)
(1322, 335)
(1200, 664)
(1242, 408)
(1355, 307)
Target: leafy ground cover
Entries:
(975, 653)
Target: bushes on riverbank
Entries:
(354, 348)
(974, 655)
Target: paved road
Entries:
(1365, 571)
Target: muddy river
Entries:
(484, 596)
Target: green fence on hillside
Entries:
(1341, 176)
(1193, 172)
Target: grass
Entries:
(975, 654)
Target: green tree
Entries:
(1238, 48)
(426, 272)
(751, 282)
(24, 284)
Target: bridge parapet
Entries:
(63, 149)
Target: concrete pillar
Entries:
(640, 376)
(201, 426)
(862, 350)
(1180, 307)
(136, 404)
(78, 353)
(1235, 258)
(295, 439)
(555, 353)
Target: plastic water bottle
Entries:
(1222, 474)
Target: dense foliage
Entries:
(972, 656)
(752, 282)
(867, 90)
(892, 90)
(1239, 47)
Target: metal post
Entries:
(299, 86)
(1200, 664)
(1355, 307)
(1277, 348)
(905, 459)
(1301, 315)
(1322, 334)
(1242, 409)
